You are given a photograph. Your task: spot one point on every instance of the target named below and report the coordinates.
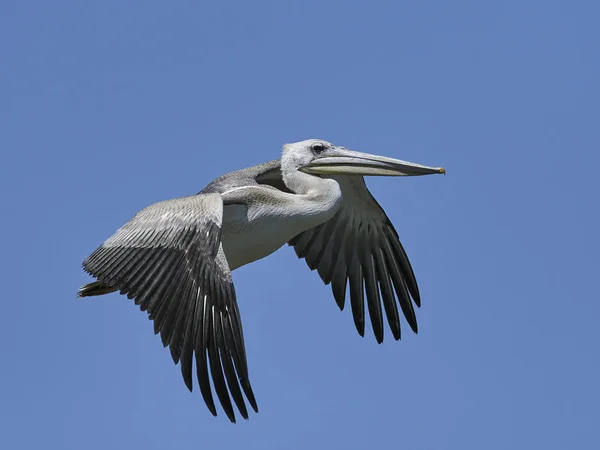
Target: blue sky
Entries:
(106, 107)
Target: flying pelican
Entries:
(175, 257)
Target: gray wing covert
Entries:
(170, 260)
(359, 247)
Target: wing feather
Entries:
(169, 259)
(360, 248)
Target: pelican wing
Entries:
(169, 259)
(359, 247)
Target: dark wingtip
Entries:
(174, 357)
(211, 408)
(417, 299)
(360, 327)
(339, 294)
(250, 396)
(187, 376)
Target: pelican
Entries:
(175, 257)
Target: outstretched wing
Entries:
(169, 259)
(360, 247)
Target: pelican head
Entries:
(319, 157)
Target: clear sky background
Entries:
(106, 107)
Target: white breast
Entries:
(258, 220)
(251, 233)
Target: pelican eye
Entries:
(318, 148)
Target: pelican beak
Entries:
(341, 161)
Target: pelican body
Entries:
(175, 258)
